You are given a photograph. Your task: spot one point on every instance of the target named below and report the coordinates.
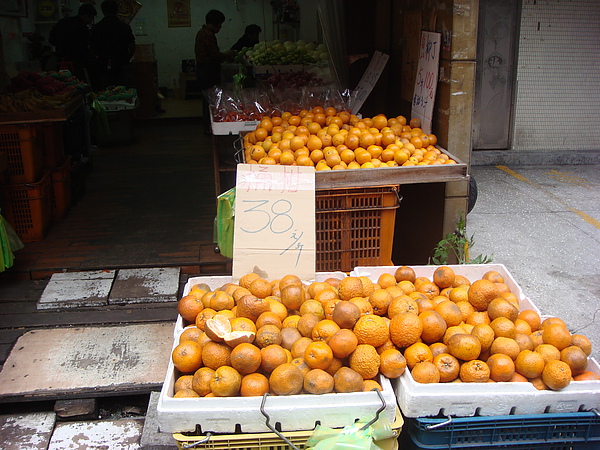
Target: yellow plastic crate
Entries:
(271, 441)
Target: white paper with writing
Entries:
(426, 79)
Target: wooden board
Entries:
(87, 361)
(341, 179)
(49, 115)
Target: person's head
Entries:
(87, 12)
(214, 19)
(253, 31)
(109, 7)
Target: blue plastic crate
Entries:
(577, 430)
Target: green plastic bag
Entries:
(351, 437)
(224, 222)
(9, 242)
(100, 127)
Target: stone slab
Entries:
(152, 437)
(122, 434)
(87, 361)
(145, 285)
(30, 431)
(77, 289)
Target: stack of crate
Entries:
(35, 187)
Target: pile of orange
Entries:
(287, 337)
(333, 140)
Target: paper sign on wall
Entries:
(426, 79)
(274, 231)
(368, 81)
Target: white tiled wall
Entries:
(558, 76)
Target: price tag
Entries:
(274, 231)
(426, 79)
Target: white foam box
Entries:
(286, 413)
(486, 399)
(226, 128)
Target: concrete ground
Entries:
(543, 224)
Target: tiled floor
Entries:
(148, 204)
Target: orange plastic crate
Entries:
(28, 208)
(22, 144)
(61, 189)
(355, 227)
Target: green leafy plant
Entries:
(459, 245)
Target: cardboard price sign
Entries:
(274, 231)
(426, 79)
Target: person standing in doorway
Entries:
(113, 43)
(71, 38)
(209, 58)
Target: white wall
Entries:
(175, 44)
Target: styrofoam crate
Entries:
(497, 399)
(471, 271)
(215, 282)
(469, 399)
(287, 413)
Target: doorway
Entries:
(498, 34)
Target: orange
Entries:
(318, 355)
(502, 367)
(474, 371)
(363, 304)
(405, 329)
(260, 288)
(556, 374)
(369, 385)
(187, 356)
(317, 381)
(245, 358)
(345, 314)
(582, 342)
(531, 317)
(530, 364)
(343, 342)
(403, 303)
(426, 372)
(226, 382)
(191, 333)
(493, 276)
(189, 307)
(405, 273)
(557, 335)
(576, 358)
(183, 382)
(286, 379)
(306, 324)
(485, 334)
(448, 367)
(524, 340)
(466, 309)
(324, 330)
(289, 335)
(350, 287)
(549, 352)
(434, 326)
(464, 346)
(371, 329)
(417, 353)
(503, 327)
(444, 276)
(428, 288)
(335, 365)
(506, 346)
(268, 335)
(271, 357)
(251, 307)
(254, 385)
(269, 318)
(392, 363)
(438, 348)
(216, 354)
(242, 324)
(380, 299)
(451, 313)
(347, 380)
(588, 375)
(551, 321)
(201, 380)
(365, 360)
(297, 349)
(481, 293)
(186, 393)
(500, 307)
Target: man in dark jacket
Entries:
(113, 43)
(71, 38)
(249, 39)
